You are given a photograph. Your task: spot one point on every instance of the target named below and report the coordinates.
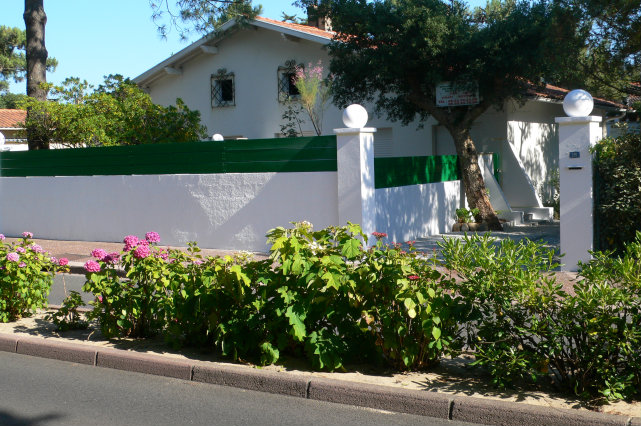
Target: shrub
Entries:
(617, 195)
(135, 306)
(344, 302)
(522, 325)
(26, 276)
(322, 295)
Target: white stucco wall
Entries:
(410, 212)
(254, 55)
(227, 211)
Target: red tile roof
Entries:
(9, 118)
(299, 27)
(558, 93)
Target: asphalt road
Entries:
(43, 392)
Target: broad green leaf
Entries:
(296, 321)
(436, 332)
(351, 248)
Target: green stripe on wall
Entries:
(403, 171)
(308, 154)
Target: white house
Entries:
(239, 78)
(11, 128)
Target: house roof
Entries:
(556, 94)
(208, 44)
(11, 118)
(307, 29)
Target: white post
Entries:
(577, 133)
(355, 161)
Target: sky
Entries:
(92, 39)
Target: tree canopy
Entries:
(202, 16)
(394, 54)
(13, 64)
(117, 113)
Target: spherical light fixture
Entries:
(578, 103)
(355, 116)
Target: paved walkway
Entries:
(549, 233)
(78, 252)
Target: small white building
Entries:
(239, 78)
(11, 130)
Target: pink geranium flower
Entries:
(99, 253)
(111, 258)
(27, 235)
(13, 257)
(92, 266)
(152, 237)
(379, 235)
(142, 251)
(36, 248)
(130, 242)
(63, 261)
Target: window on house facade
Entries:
(287, 89)
(223, 89)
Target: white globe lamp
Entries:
(355, 117)
(578, 103)
(217, 137)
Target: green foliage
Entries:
(203, 16)
(117, 113)
(522, 325)
(322, 295)
(13, 63)
(11, 100)
(135, 306)
(618, 190)
(464, 215)
(67, 317)
(26, 275)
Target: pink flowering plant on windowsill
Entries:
(26, 276)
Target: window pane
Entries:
(226, 90)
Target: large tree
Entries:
(13, 63)
(35, 20)
(395, 53)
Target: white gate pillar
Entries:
(355, 161)
(577, 133)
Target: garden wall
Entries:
(416, 196)
(224, 194)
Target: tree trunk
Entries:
(36, 54)
(472, 178)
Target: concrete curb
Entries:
(432, 404)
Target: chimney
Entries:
(315, 20)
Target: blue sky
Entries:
(91, 39)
